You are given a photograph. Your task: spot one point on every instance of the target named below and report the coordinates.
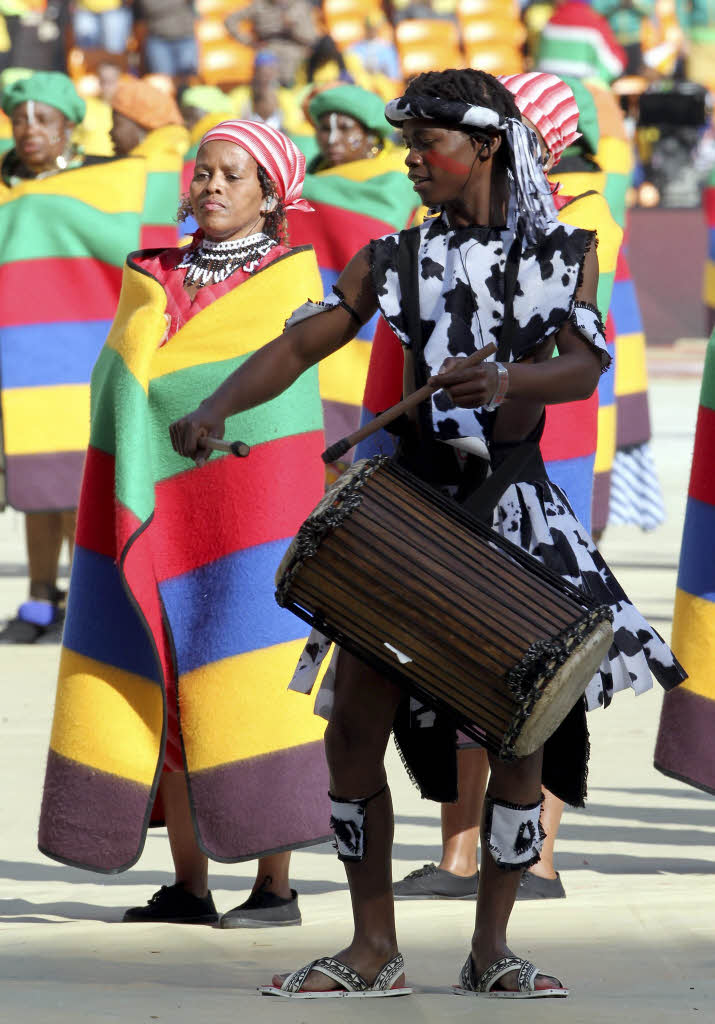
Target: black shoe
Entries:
(18, 631)
(173, 904)
(532, 887)
(263, 909)
(432, 883)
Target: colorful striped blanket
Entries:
(173, 580)
(578, 41)
(685, 748)
(353, 203)
(67, 237)
(163, 150)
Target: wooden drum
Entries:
(404, 578)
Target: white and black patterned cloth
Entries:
(462, 299)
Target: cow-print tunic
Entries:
(535, 514)
(461, 301)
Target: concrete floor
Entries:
(635, 939)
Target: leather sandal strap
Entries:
(334, 969)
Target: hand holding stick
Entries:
(237, 448)
(337, 450)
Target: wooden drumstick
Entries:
(237, 448)
(335, 451)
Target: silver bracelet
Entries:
(501, 388)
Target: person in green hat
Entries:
(349, 125)
(44, 109)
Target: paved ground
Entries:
(635, 938)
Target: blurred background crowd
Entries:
(263, 59)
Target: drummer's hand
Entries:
(470, 387)
(188, 433)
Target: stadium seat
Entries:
(226, 62)
(414, 60)
(426, 31)
(497, 60)
(338, 9)
(481, 31)
(467, 9)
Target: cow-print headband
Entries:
(534, 203)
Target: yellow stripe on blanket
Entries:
(115, 187)
(121, 722)
(606, 448)
(342, 375)
(631, 366)
(46, 419)
(615, 156)
(245, 696)
(693, 642)
(213, 335)
(709, 284)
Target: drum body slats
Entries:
(386, 564)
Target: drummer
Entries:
(471, 159)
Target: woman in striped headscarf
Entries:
(181, 706)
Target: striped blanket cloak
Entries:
(709, 278)
(685, 747)
(173, 580)
(353, 203)
(67, 237)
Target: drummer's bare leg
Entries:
(551, 813)
(516, 782)
(355, 744)
(460, 820)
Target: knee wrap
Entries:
(513, 833)
(347, 821)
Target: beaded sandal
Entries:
(471, 985)
(353, 985)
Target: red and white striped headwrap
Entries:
(549, 104)
(281, 159)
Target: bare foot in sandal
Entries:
(367, 966)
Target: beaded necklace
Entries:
(211, 262)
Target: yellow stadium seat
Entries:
(467, 9)
(346, 31)
(211, 30)
(414, 60)
(226, 62)
(496, 60)
(481, 31)
(338, 9)
(426, 31)
(218, 8)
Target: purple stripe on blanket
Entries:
(76, 820)
(685, 749)
(601, 501)
(633, 421)
(44, 482)
(292, 811)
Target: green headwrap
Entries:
(364, 106)
(50, 87)
(207, 97)
(587, 116)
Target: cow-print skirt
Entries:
(537, 516)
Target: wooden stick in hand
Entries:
(237, 448)
(337, 450)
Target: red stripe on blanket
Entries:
(336, 234)
(103, 525)
(571, 430)
(702, 477)
(623, 270)
(61, 280)
(263, 498)
(158, 236)
(709, 201)
(384, 375)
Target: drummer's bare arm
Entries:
(275, 366)
(571, 376)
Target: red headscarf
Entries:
(549, 104)
(281, 159)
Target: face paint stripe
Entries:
(446, 163)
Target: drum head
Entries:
(561, 693)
